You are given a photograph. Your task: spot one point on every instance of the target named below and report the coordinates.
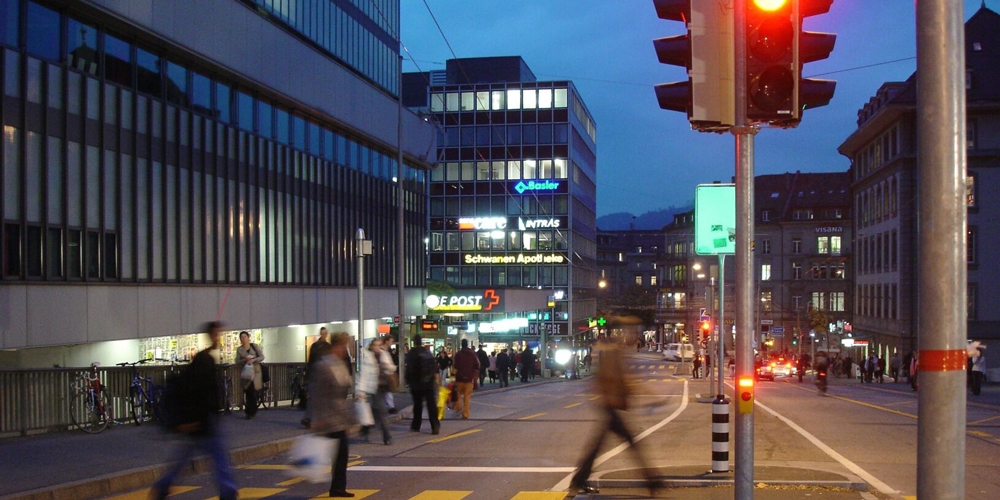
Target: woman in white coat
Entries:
(376, 368)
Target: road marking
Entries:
(564, 484)
(595, 397)
(144, 494)
(572, 405)
(455, 435)
(441, 495)
(294, 480)
(540, 495)
(851, 466)
(533, 416)
(983, 421)
(433, 468)
(255, 493)
(862, 403)
(980, 434)
(359, 494)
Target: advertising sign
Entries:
(548, 328)
(489, 300)
(541, 186)
(715, 219)
(512, 258)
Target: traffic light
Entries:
(706, 52)
(745, 398)
(706, 330)
(777, 47)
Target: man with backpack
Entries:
(195, 413)
(422, 374)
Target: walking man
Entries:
(484, 362)
(503, 368)
(466, 370)
(978, 371)
(316, 352)
(422, 374)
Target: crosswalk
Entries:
(191, 492)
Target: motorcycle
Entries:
(821, 381)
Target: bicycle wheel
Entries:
(230, 398)
(90, 412)
(296, 390)
(264, 397)
(137, 405)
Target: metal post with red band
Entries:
(943, 360)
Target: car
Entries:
(675, 352)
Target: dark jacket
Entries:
(484, 359)
(528, 360)
(419, 361)
(503, 361)
(466, 365)
(204, 391)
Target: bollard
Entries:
(720, 434)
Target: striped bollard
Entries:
(720, 434)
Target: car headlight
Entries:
(563, 356)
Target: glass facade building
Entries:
(513, 199)
(178, 165)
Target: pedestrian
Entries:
(978, 371)
(848, 364)
(319, 346)
(201, 389)
(422, 374)
(484, 363)
(503, 368)
(466, 370)
(914, 369)
(614, 392)
(444, 363)
(373, 383)
(880, 368)
(803, 365)
(696, 370)
(527, 364)
(894, 364)
(516, 367)
(332, 415)
(491, 366)
(251, 354)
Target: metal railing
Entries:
(37, 400)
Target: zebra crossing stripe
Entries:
(441, 495)
(358, 494)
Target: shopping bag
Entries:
(444, 394)
(247, 373)
(311, 456)
(365, 417)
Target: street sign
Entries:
(397, 319)
(767, 321)
(705, 317)
(777, 329)
(715, 219)
(702, 313)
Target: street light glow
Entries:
(769, 5)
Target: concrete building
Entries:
(883, 153)
(513, 200)
(166, 165)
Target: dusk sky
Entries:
(649, 158)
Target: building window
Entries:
(970, 191)
(818, 300)
(765, 272)
(970, 245)
(823, 245)
(970, 299)
(765, 216)
(766, 304)
(652, 280)
(970, 134)
(802, 213)
(796, 245)
(638, 279)
(837, 301)
(765, 246)
(796, 271)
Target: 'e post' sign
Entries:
(715, 219)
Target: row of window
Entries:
(879, 202)
(36, 252)
(799, 214)
(499, 100)
(455, 241)
(528, 169)
(102, 55)
(825, 245)
(505, 135)
(880, 151)
(877, 253)
(817, 271)
(479, 206)
(877, 300)
(514, 276)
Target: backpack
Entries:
(424, 368)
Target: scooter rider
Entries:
(820, 365)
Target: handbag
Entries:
(247, 373)
(364, 411)
(311, 456)
(388, 381)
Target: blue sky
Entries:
(649, 158)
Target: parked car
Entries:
(679, 352)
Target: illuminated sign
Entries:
(472, 302)
(548, 328)
(491, 223)
(715, 219)
(521, 258)
(504, 325)
(829, 229)
(521, 187)
(429, 326)
(543, 223)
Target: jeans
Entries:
(250, 400)
(380, 412)
(210, 445)
(420, 398)
(615, 424)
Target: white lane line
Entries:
(418, 468)
(564, 484)
(851, 466)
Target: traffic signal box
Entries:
(706, 51)
(705, 332)
(744, 394)
(777, 47)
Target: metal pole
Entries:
(743, 463)
(400, 231)
(941, 275)
(360, 241)
(721, 354)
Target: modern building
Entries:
(513, 200)
(883, 153)
(166, 165)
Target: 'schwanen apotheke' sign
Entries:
(515, 259)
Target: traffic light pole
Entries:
(942, 271)
(743, 460)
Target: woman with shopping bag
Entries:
(332, 416)
(374, 382)
(249, 356)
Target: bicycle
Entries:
(264, 395)
(298, 387)
(143, 394)
(89, 408)
(226, 399)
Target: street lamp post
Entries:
(364, 248)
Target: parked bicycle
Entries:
(89, 408)
(298, 387)
(264, 395)
(143, 396)
(226, 398)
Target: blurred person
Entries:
(484, 362)
(614, 392)
(503, 368)
(422, 375)
(491, 367)
(444, 363)
(467, 368)
(978, 371)
(249, 353)
(914, 369)
(527, 364)
(201, 388)
(319, 346)
(894, 365)
(373, 384)
(331, 413)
